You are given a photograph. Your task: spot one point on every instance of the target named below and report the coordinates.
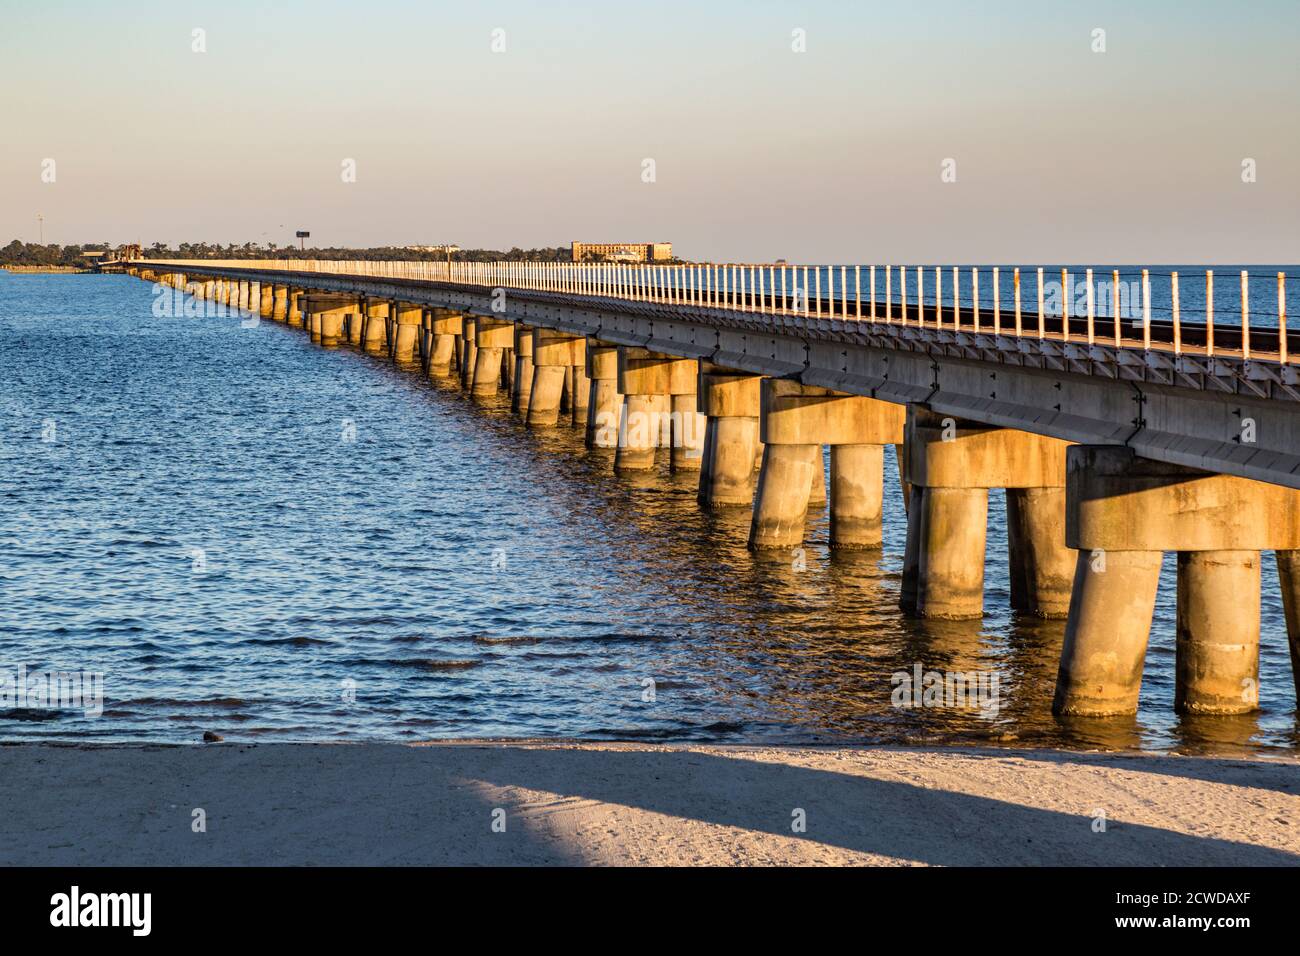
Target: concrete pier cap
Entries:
(950, 465)
(554, 353)
(326, 313)
(795, 421)
(659, 410)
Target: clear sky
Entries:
(833, 154)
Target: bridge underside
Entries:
(1219, 415)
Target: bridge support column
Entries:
(580, 394)
(352, 324)
(732, 405)
(245, 295)
(951, 465)
(604, 402)
(643, 427)
(295, 307)
(374, 328)
(280, 304)
(468, 352)
(491, 339)
(795, 422)
(647, 381)
(523, 370)
(817, 495)
(857, 496)
(444, 327)
(406, 328)
(781, 503)
(686, 424)
(1217, 644)
(553, 352)
(1124, 512)
(266, 300)
(1288, 572)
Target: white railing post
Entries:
(1245, 316)
(1015, 282)
(997, 303)
(1177, 310)
(1281, 318)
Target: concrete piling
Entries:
(1041, 568)
(1106, 633)
(469, 352)
(605, 402)
(492, 338)
(445, 326)
(523, 370)
(1288, 572)
(731, 406)
(406, 328)
(857, 496)
(781, 502)
(374, 334)
(1217, 647)
(280, 304)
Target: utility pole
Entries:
(40, 222)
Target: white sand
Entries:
(635, 804)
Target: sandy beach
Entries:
(531, 803)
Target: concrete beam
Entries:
(1119, 501)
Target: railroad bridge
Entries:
(1116, 436)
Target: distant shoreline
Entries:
(52, 270)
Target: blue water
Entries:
(184, 509)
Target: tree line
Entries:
(36, 254)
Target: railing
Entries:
(1123, 308)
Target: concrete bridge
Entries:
(1116, 439)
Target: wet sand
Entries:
(382, 804)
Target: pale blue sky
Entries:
(830, 155)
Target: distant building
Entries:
(622, 251)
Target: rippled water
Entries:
(181, 510)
